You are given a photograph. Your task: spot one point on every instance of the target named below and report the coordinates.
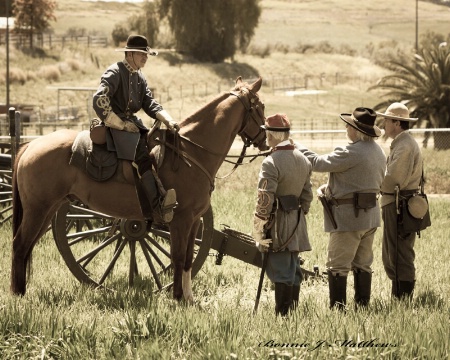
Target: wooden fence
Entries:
(53, 41)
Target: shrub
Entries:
(50, 72)
(119, 34)
(73, 64)
(17, 75)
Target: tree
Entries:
(211, 30)
(148, 23)
(33, 16)
(423, 86)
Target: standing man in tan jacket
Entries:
(404, 170)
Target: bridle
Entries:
(254, 108)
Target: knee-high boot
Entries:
(295, 296)
(283, 298)
(164, 204)
(338, 290)
(363, 284)
(403, 289)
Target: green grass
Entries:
(60, 318)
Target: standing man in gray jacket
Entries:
(404, 170)
(279, 226)
(351, 212)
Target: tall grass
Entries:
(62, 319)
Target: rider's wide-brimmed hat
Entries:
(363, 120)
(138, 43)
(397, 111)
(277, 122)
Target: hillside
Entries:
(182, 85)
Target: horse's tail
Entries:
(20, 267)
(16, 201)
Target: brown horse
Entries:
(43, 180)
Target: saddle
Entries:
(100, 164)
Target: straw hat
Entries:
(397, 111)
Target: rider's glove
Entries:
(115, 122)
(167, 120)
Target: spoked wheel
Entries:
(5, 195)
(100, 250)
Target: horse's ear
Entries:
(238, 80)
(256, 85)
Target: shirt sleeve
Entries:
(102, 98)
(337, 161)
(267, 186)
(150, 106)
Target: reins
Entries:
(250, 109)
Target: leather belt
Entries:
(402, 192)
(338, 202)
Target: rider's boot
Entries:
(163, 203)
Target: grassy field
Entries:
(61, 319)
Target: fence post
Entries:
(14, 132)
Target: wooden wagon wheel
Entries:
(5, 188)
(99, 249)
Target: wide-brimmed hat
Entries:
(363, 120)
(397, 111)
(138, 43)
(277, 122)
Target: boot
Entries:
(338, 290)
(403, 289)
(295, 296)
(363, 284)
(283, 299)
(163, 204)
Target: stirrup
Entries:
(168, 203)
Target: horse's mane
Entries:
(210, 107)
(207, 109)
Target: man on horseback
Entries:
(123, 91)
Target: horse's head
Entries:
(251, 131)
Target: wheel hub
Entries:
(133, 229)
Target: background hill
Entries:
(325, 53)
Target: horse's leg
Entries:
(187, 270)
(34, 224)
(180, 228)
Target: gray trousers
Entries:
(398, 248)
(284, 267)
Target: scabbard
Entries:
(327, 207)
(261, 279)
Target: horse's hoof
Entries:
(189, 299)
